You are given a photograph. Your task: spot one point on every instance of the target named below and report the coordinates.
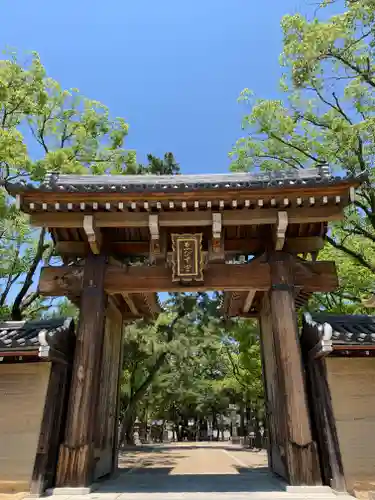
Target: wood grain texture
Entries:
(300, 450)
(106, 423)
(51, 431)
(274, 402)
(76, 461)
(324, 425)
(302, 244)
(57, 281)
(241, 217)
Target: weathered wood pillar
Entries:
(76, 459)
(300, 453)
(325, 425)
(50, 434)
(275, 409)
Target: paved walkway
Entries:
(199, 471)
(195, 471)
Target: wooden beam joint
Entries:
(216, 231)
(153, 225)
(281, 227)
(93, 234)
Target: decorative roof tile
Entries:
(350, 330)
(179, 183)
(56, 333)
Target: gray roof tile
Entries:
(179, 183)
(346, 329)
(55, 332)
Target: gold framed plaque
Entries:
(187, 262)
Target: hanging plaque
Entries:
(187, 262)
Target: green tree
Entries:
(207, 366)
(67, 133)
(71, 134)
(190, 386)
(158, 166)
(325, 119)
(146, 350)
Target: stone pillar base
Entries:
(71, 491)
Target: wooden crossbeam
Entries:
(249, 245)
(242, 217)
(59, 281)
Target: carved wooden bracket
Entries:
(216, 231)
(281, 227)
(93, 234)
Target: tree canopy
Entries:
(326, 118)
(45, 128)
(190, 365)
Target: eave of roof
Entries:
(28, 337)
(344, 330)
(128, 184)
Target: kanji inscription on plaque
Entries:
(187, 257)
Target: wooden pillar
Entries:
(325, 425)
(50, 431)
(275, 410)
(301, 458)
(76, 460)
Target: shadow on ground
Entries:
(159, 480)
(162, 460)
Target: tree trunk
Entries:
(258, 436)
(127, 428)
(178, 430)
(139, 393)
(215, 426)
(242, 432)
(162, 431)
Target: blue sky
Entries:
(173, 69)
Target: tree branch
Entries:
(355, 255)
(160, 360)
(353, 67)
(360, 231)
(11, 278)
(297, 148)
(283, 160)
(41, 248)
(339, 109)
(369, 213)
(8, 286)
(41, 134)
(29, 299)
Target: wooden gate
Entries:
(126, 236)
(107, 416)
